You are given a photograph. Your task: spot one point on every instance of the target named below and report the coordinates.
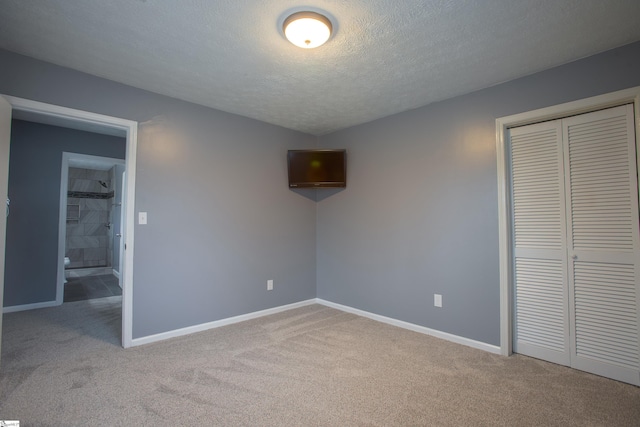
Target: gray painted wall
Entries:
(222, 220)
(420, 213)
(34, 189)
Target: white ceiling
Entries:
(386, 56)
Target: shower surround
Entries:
(89, 202)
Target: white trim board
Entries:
(34, 306)
(249, 316)
(93, 122)
(413, 327)
(626, 96)
(218, 323)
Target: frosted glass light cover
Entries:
(307, 29)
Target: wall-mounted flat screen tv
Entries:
(317, 168)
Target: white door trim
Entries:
(5, 141)
(130, 128)
(631, 95)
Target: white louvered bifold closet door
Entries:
(603, 242)
(576, 242)
(540, 265)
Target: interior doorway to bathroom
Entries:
(90, 227)
(81, 120)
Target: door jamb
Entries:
(131, 130)
(626, 96)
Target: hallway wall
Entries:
(34, 189)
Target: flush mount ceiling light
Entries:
(307, 29)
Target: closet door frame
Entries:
(505, 236)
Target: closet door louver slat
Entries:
(602, 219)
(576, 242)
(538, 230)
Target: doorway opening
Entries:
(82, 120)
(90, 227)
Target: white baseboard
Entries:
(218, 323)
(394, 322)
(24, 307)
(116, 273)
(413, 327)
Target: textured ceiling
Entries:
(385, 57)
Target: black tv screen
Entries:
(317, 168)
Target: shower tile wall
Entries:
(88, 236)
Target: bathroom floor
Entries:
(90, 287)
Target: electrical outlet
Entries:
(269, 285)
(437, 300)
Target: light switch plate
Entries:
(437, 300)
(142, 218)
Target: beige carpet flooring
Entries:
(312, 366)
